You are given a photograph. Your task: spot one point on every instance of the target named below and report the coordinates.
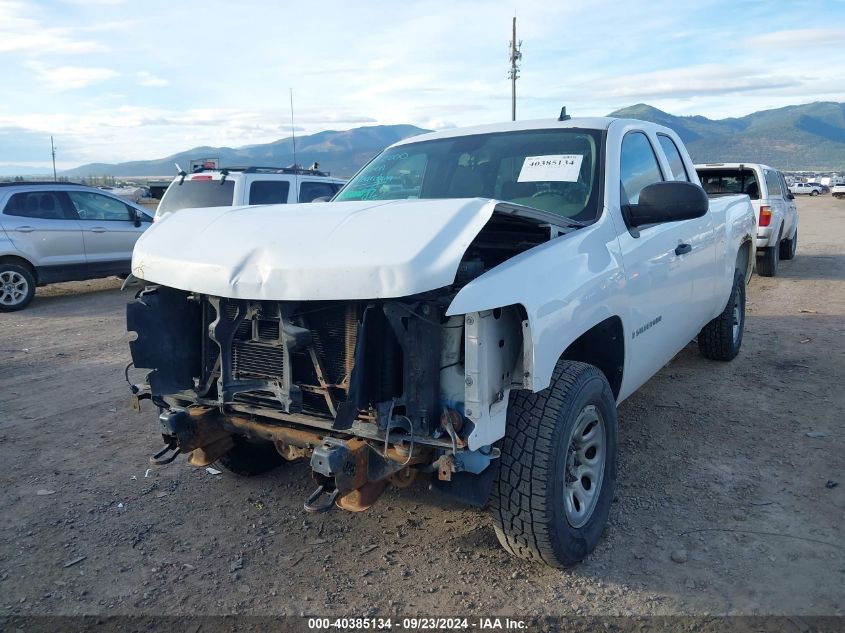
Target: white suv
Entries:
(237, 186)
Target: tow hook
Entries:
(159, 458)
(313, 502)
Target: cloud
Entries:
(63, 78)
(693, 81)
(150, 80)
(20, 33)
(800, 38)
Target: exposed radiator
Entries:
(251, 359)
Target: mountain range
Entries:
(803, 137)
(341, 153)
(807, 137)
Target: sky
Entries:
(117, 80)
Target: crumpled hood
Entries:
(315, 251)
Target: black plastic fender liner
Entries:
(467, 488)
(169, 328)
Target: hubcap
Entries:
(585, 461)
(13, 288)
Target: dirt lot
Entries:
(723, 467)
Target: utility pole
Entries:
(513, 73)
(53, 151)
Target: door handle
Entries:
(98, 229)
(24, 229)
(683, 249)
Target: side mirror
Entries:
(668, 202)
(136, 219)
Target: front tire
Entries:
(788, 247)
(722, 337)
(557, 471)
(249, 459)
(17, 287)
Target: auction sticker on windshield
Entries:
(552, 168)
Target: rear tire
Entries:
(768, 263)
(17, 287)
(788, 247)
(814, 193)
(557, 471)
(722, 337)
(249, 459)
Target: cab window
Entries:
(46, 205)
(269, 192)
(93, 206)
(673, 155)
(773, 184)
(638, 166)
(310, 189)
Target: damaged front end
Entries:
(372, 392)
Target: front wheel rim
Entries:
(13, 288)
(586, 456)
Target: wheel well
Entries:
(20, 261)
(744, 259)
(603, 345)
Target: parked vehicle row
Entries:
(51, 232)
(472, 307)
(773, 202)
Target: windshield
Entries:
(197, 193)
(551, 170)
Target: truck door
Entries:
(699, 234)
(659, 271)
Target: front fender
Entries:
(566, 286)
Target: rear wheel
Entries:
(722, 337)
(788, 247)
(557, 471)
(17, 287)
(248, 458)
(814, 193)
(768, 262)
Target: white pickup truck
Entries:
(470, 308)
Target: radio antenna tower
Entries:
(53, 152)
(513, 73)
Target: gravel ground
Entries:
(726, 502)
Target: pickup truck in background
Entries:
(806, 188)
(470, 308)
(774, 206)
